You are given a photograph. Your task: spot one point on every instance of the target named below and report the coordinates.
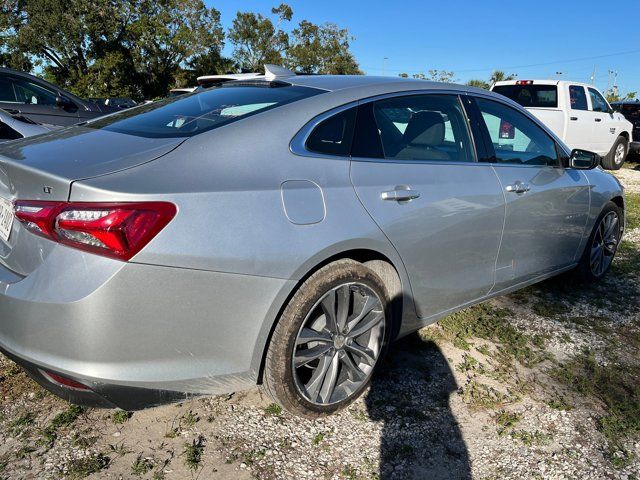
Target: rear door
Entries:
(580, 124)
(546, 205)
(414, 169)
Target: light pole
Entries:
(384, 66)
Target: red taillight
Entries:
(118, 230)
(64, 381)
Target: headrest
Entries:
(425, 128)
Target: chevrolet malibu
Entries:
(280, 231)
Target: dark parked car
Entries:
(631, 111)
(43, 102)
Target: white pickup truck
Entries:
(575, 112)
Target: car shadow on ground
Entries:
(410, 394)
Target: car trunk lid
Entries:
(44, 167)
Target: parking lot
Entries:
(543, 383)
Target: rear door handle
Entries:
(402, 193)
(518, 187)
(598, 119)
(574, 118)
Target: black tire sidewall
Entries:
(279, 374)
(584, 267)
(609, 162)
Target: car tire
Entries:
(617, 155)
(602, 244)
(345, 354)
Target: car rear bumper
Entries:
(137, 335)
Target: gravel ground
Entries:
(450, 402)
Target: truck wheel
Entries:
(615, 158)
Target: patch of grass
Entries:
(82, 467)
(468, 364)
(616, 386)
(141, 465)
(273, 410)
(189, 419)
(193, 453)
(532, 438)
(252, 456)
(479, 395)
(559, 404)
(350, 472)
(319, 437)
(484, 350)
(23, 421)
(549, 308)
(632, 210)
(506, 421)
(120, 416)
(61, 420)
(490, 323)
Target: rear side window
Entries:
(190, 115)
(578, 98)
(598, 103)
(540, 96)
(423, 127)
(334, 135)
(8, 133)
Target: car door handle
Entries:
(574, 118)
(598, 119)
(402, 193)
(518, 187)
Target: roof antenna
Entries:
(273, 72)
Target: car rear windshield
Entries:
(189, 115)
(530, 95)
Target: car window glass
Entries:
(577, 98)
(333, 136)
(423, 127)
(529, 95)
(8, 133)
(189, 115)
(516, 138)
(6, 90)
(598, 103)
(32, 94)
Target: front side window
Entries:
(334, 135)
(190, 115)
(32, 94)
(598, 103)
(423, 127)
(578, 98)
(516, 138)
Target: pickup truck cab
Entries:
(577, 113)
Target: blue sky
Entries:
(534, 39)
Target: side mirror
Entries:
(583, 160)
(63, 102)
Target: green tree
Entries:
(321, 49)
(499, 76)
(479, 84)
(257, 40)
(433, 75)
(135, 48)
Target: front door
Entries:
(415, 171)
(546, 205)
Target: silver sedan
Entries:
(280, 231)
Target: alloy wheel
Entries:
(605, 243)
(619, 154)
(338, 344)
